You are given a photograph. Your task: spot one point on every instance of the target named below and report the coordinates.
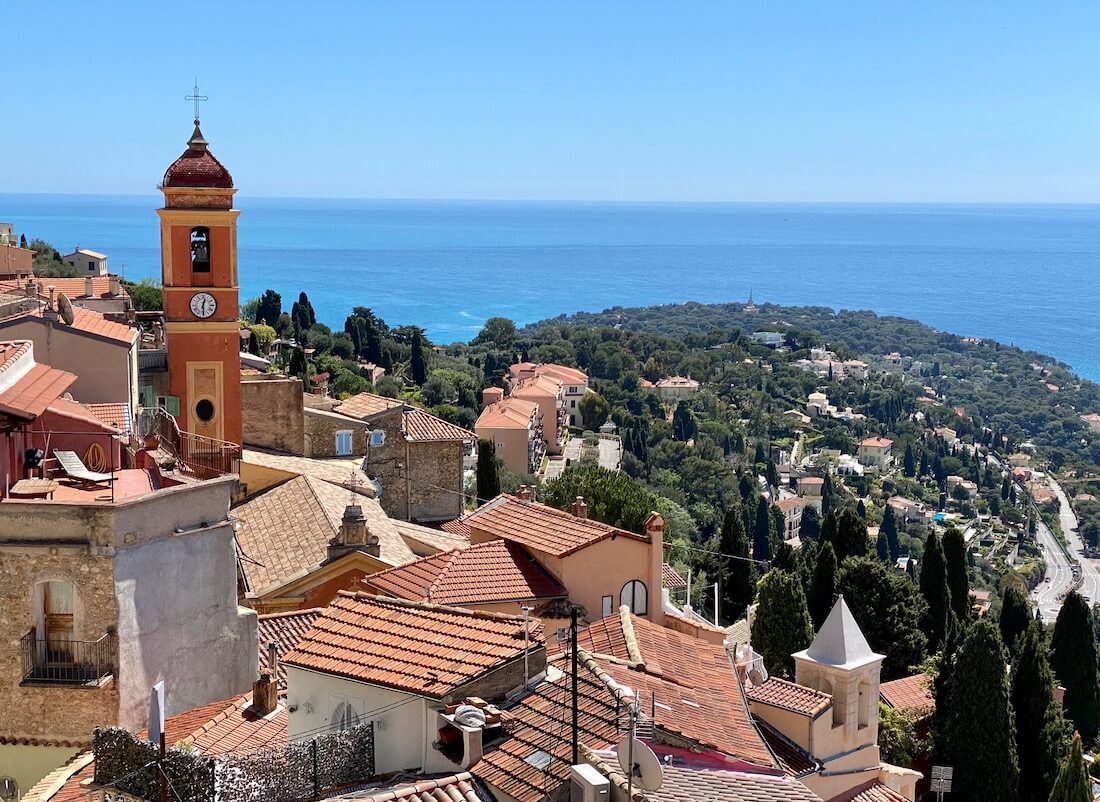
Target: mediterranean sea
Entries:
(1023, 275)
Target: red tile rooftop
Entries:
(909, 694)
(873, 791)
(776, 692)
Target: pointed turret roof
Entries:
(840, 642)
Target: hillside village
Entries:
(363, 566)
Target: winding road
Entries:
(1059, 577)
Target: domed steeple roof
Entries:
(197, 167)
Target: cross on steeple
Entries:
(195, 96)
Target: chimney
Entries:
(265, 690)
(353, 526)
(580, 509)
(490, 395)
(116, 286)
(655, 531)
(89, 287)
(50, 310)
(524, 493)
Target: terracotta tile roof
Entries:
(197, 167)
(537, 386)
(281, 532)
(218, 728)
(876, 442)
(671, 579)
(423, 427)
(285, 629)
(790, 503)
(776, 692)
(540, 724)
(496, 571)
(509, 413)
(30, 395)
(363, 405)
(81, 412)
(873, 791)
(713, 715)
(909, 693)
(237, 728)
(71, 286)
(452, 788)
(689, 683)
(334, 500)
(693, 785)
(540, 528)
(564, 374)
(115, 415)
(427, 650)
(426, 540)
(457, 527)
(794, 760)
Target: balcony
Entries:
(195, 455)
(67, 662)
(152, 359)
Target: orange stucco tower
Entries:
(198, 245)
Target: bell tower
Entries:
(198, 244)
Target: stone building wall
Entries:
(321, 427)
(435, 480)
(271, 413)
(387, 461)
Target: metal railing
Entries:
(203, 457)
(152, 359)
(67, 662)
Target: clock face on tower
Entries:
(203, 305)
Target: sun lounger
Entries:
(75, 469)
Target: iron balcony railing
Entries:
(152, 359)
(67, 662)
(203, 457)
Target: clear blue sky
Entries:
(860, 101)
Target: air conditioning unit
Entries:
(588, 785)
(377, 438)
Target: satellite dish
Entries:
(646, 768)
(9, 789)
(65, 308)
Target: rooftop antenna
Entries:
(197, 98)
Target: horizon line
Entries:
(594, 201)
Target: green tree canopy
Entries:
(983, 721)
(889, 527)
(612, 496)
(810, 527)
(1040, 728)
(781, 625)
(1073, 783)
(1015, 615)
(822, 585)
(1074, 660)
(761, 534)
(735, 575)
(498, 332)
(958, 580)
(933, 587)
(418, 362)
(488, 474)
(889, 610)
(268, 307)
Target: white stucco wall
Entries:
(399, 718)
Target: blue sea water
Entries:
(1025, 275)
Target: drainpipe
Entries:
(526, 645)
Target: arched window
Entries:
(200, 249)
(344, 717)
(635, 596)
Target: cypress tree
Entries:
(809, 529)
(943, 687)
(761, 540)
(253, 344)
(922, 469)
(861, 508)
(822, 585)
(1015, 615)
(488, 478)
(1040, 728)
(958, 581)
(1073, 658)
(781, 625)
(1073, 783)
(827, 494)
(298, 366)
(882, 549)
(889, 610)
(933, 587)
(851, 536)
(889, 526)
(983, 722)
(909, 462)
(828, 531)
(735, 575)
(418, 364)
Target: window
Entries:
(635, 596)
(204, 410)
(200, 249)
(343, 443)
(607, 602)
(58, 606)
(344, 713)
(573, 403)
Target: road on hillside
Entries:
(1047, 596)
